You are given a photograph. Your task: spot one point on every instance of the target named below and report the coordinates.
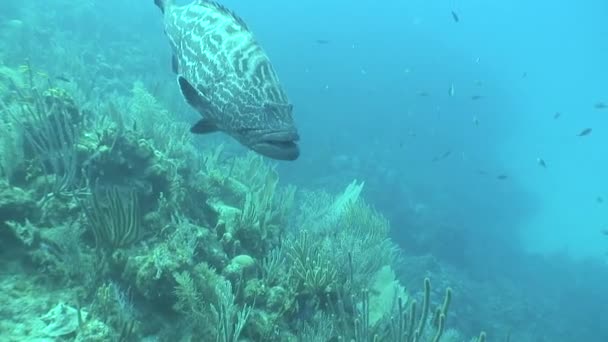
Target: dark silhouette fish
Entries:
(225, 75)
(443, 156)
(584, 132)
(541, 162)
(599, 199)
(322, 41)
(455, 17)
(557, 115)
(63, 79)
(476, 97)
(502, 177)
(600, 105)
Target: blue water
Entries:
(361, 115)
(358, 96)
(372, 102)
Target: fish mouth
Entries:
(278, 145)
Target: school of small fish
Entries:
(584, 132)
(224, 74)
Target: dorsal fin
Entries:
(163, 4)
(221, 8)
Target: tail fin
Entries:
(162, 4)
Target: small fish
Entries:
(423, 93)
(584, 132)
(482, 172)
(455, 17)
(604, 231)
(14, 23)
(524, 74)
(502, 177)
(541, 162)
(476, 97)
(556, 115)
(599, 199)
(224, 74)
(452, 90)
(63, 79)
(478, 83)
(475, 121)
(477, 60)
(600, 105)
(441, 156)
(322, 41)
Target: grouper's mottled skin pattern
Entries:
(219, 56)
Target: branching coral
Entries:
(352, 235)
(50, 124)
(409, 326)
(273, 266)
(253, 211)
(311, 270)
(114, 218)
(363, 243)
(144, 111)
(230, 319)
(224, 247)
(320, 211)
(11, 155)
(210, 299)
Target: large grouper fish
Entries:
(226, 76)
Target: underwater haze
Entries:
(450, 186)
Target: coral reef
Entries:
(143, 235)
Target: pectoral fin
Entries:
(201, 103)
(204, 126)
(193, 97)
